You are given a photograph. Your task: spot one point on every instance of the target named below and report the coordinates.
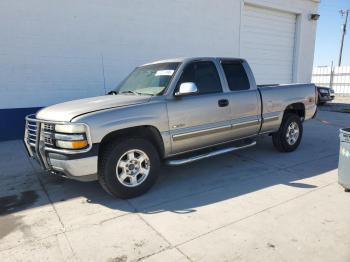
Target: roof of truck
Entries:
(187, 59)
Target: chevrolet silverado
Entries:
(173, 111)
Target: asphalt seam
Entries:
(60, 219)
(155, 253)
(106, 220)
(37, 174)
(148, 224)
(47, 195)
(185, 255)
(161, 251)
(259, 212)
(170, 246)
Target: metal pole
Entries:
(343, 34)
(331, 76)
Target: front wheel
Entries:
(288, 137)
(128, 167)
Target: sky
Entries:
(329, 33)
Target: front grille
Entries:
(49, 127)
(48, 140)
(48, 133)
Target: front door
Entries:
(203, 119)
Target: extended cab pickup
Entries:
(174, 111)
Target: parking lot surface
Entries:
(339, 104)
(253, 205)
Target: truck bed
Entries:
(275, 98)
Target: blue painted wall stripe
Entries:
(12, 122)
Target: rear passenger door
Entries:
(203, 119)
(244, 100)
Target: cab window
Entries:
(204, 74)
(236, 75)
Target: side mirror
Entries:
(186, 89)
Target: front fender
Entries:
(104, 122)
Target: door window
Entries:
(204, 75)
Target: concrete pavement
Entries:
(254, 205)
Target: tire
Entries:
(120, 181)
(283, 139)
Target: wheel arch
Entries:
(148, 132)
(296, 108)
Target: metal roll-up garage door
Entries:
(267, 42)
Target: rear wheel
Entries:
(288, 137)
(128, 167)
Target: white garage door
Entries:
(267, 42)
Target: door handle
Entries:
(223, 102)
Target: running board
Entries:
(178, 162)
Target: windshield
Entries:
(148, 80)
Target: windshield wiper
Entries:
(112, 92)
(130, 92)
(135, 93)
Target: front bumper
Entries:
(82, 169)
(326, 97)
(80, 166)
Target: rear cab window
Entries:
(236, 75)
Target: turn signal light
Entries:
(79, 144)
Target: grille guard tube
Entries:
(33, 138)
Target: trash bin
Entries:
(344, 159)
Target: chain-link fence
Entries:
(336, 77)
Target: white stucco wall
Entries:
(53, 51)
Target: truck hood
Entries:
(68, 110)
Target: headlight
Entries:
(70, 136)
(324, 91)
(70, 128)
(66, 137)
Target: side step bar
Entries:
(178, 162)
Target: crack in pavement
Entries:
(37, 174)
(261, 211)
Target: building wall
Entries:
(54, 51)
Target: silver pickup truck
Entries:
(174, 111)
